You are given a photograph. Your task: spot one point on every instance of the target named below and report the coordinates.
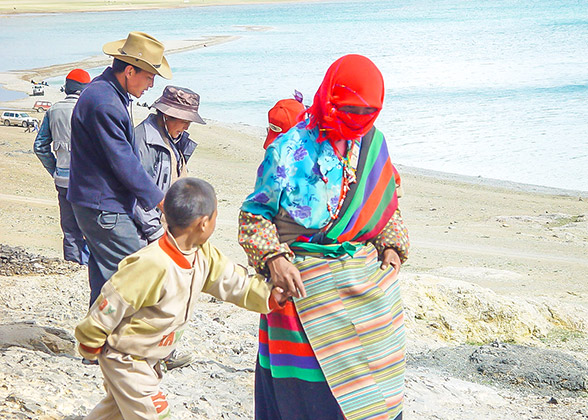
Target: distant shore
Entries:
(14, 80)
(8, 8)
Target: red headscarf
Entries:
(351, 80)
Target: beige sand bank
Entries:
(21, 80)
(65, 6)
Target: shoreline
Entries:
(492, 182)
(36, 7)
(19, 80)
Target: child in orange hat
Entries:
(283, 116)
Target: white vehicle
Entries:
(17, 118)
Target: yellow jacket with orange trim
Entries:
(145, 306)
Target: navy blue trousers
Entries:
(110, 237)
(74, 246)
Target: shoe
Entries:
(177, 360)
(89, 362)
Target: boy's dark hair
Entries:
(187, 200)
(118, 66)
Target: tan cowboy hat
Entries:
(141, 50)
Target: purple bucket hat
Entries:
(179, 103)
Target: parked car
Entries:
(38, 90)
(17, 118)
(42, 106)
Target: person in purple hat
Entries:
(164, 148)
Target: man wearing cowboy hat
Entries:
(106, 176)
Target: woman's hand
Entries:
(285, 275)
(390, 257)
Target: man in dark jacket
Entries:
(164, 148)
(106, 176)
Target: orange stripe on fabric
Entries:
(388, 361)
(359, 383)
(333, 349)
(321, 310)
(170, 249)
(372, 203)
(287, 347)
(342, 355)
(395, 400)
(374, 324)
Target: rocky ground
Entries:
(41, 375)
(17, 261)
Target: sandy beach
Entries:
(67, 6)
(495, 269)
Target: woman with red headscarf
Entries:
(323, 223)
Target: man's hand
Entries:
(390, 257)
(286, 276)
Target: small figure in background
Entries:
(283, 116)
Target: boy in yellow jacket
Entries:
(143, 309)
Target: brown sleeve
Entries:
(259, 239)
(394, 235)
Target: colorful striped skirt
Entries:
(340, 352)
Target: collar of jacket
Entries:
(75, 96)
(109, 76)
(157, 140)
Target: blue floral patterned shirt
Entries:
(300, 175)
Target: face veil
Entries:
(352, 80)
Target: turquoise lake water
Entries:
(497, 89)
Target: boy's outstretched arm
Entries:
(230, 282)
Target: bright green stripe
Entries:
(318, 298)
(263, 324)
(283, 334)
(264, 361)
(377, 216)
(328, 250)
(364, 412)
(333, 336)
(357, 198)
(309, 375)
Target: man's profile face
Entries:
(138, 82)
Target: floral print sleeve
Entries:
(394, 235)
(299, 175)
(259, 238)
